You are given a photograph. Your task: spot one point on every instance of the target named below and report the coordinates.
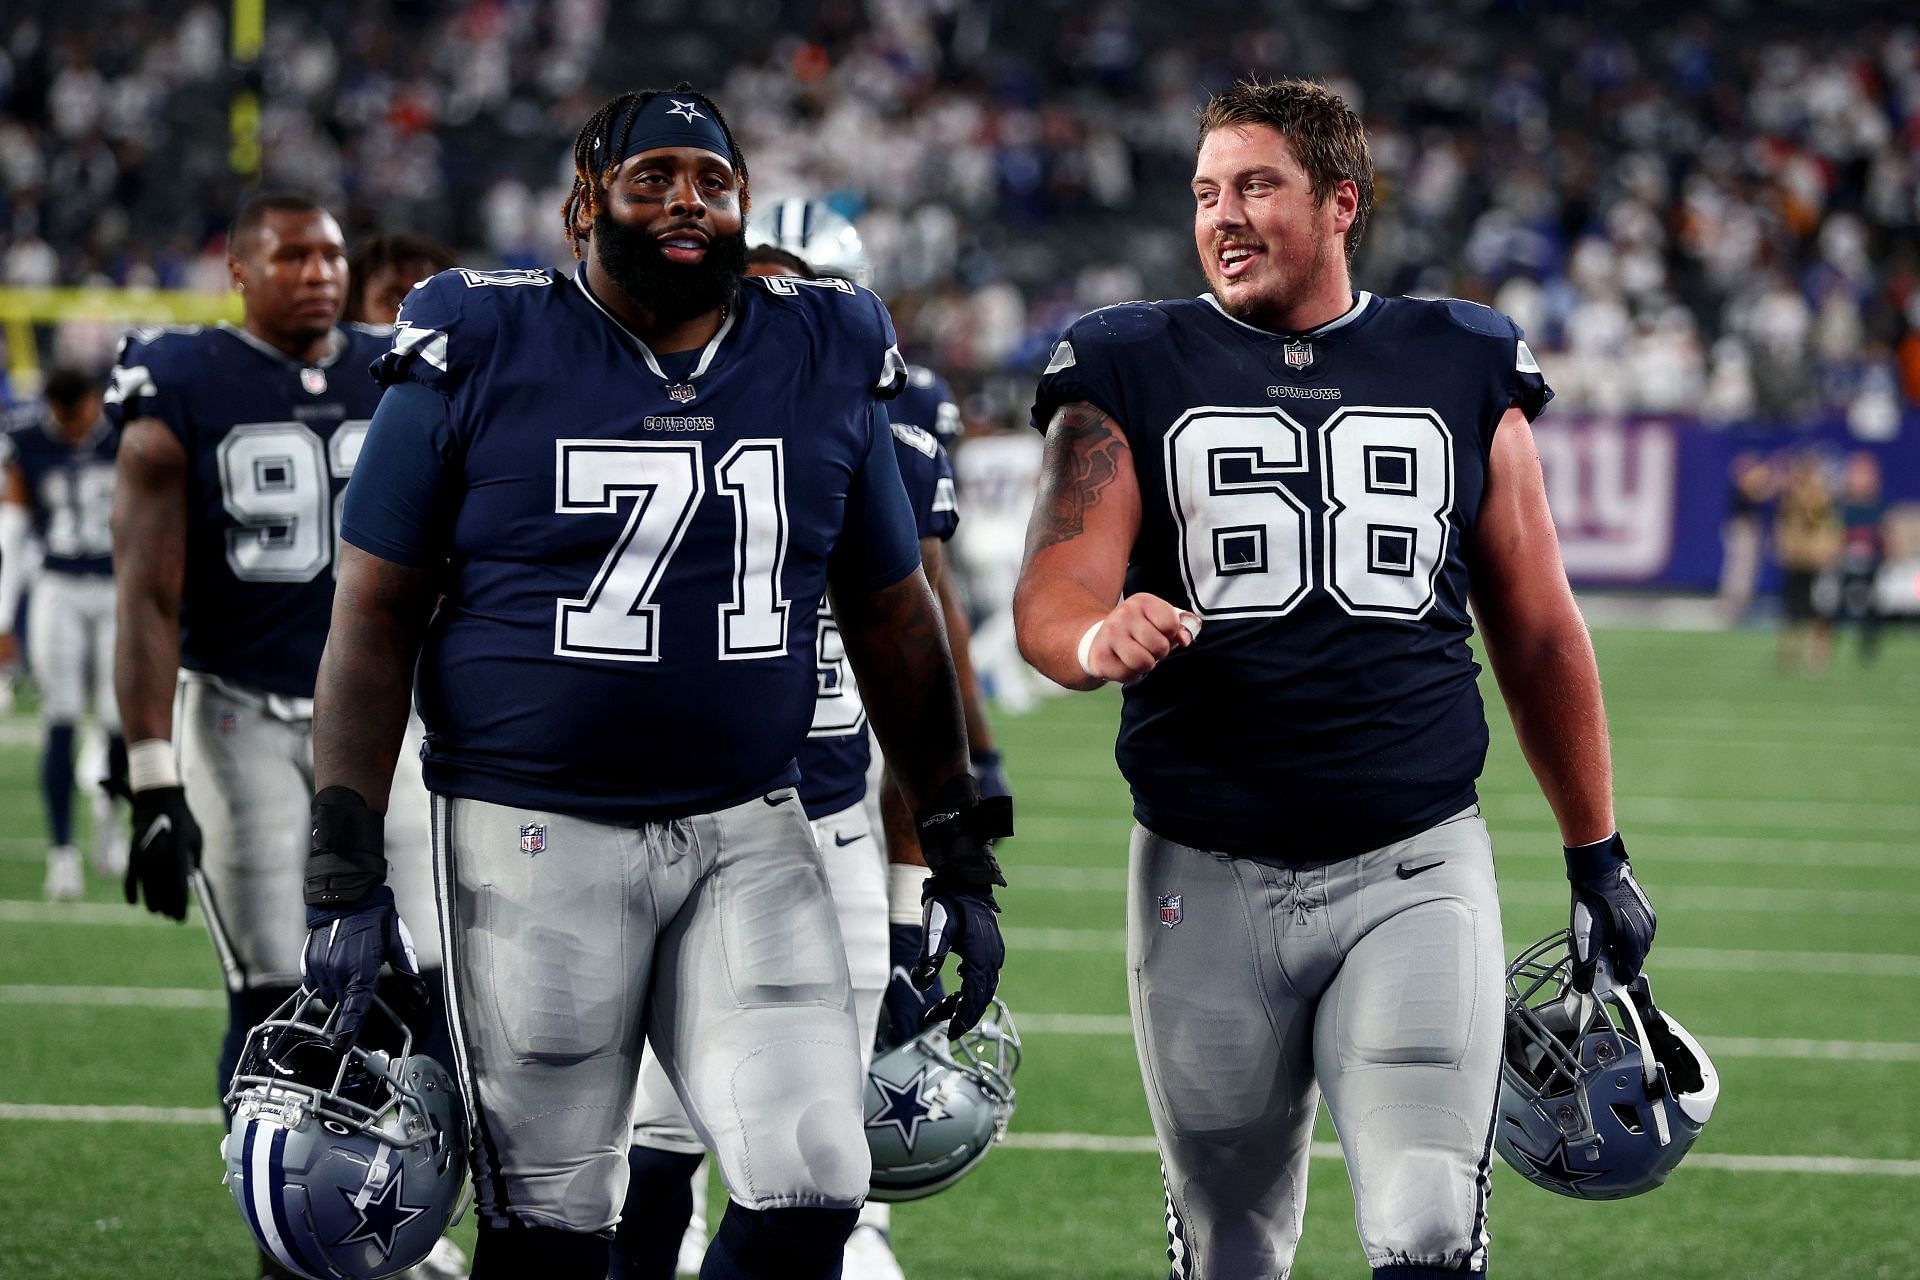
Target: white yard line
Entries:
(110, 1115)
(116, 997)
(27, 911)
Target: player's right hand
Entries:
(1612, 920)
(344, 952)
(1135, 637)
(164, 852)
(903, 1008)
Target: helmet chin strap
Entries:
(1604, 988)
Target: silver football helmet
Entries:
(935, 1106)
(1601, 1095)
(814, 233)
(347, 1161)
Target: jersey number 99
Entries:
(276, 481)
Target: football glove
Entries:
(1612, 919)
(345, 949)
(957, 907)
(905, 1005)
(352, 925)
(991, 775)
(164, 851)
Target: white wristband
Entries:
(1086, 648)
(150, 765)
(903, 891)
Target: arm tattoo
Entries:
(1085, 451)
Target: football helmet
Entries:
(814, 233)
(1601, 1095)
(934, 1106)
(347, 1160)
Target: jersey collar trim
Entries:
(1361, 301)
(707, 353)
(336, 339)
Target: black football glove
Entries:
(352, 925)
(1612, 919)
(991, 774)
(905, 1007)
(957, 907)
(164, 851)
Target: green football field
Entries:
(1773, 820)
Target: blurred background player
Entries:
(1807, 539)
(1863, 549)
(997, 469)
(236, 444)
(59, 484)
(384, 267)
(875, 871)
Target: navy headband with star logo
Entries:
(665, 120)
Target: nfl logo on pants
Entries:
(1169, 909)
(533, 838)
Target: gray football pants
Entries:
(713, 937)
(246, 761)
(1254, 987)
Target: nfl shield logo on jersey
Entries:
(1170, 909)
(679, 392)
(533, 838)
(1298, 355)
(313, 381)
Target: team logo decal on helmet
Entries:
(345, 1154)
(1601, 1095)
(935, 1107)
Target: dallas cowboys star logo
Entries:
(902, 1107)
(382, 1216)
(686, 110)
(1556, 1168)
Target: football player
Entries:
(627, 490)
(384, 267)
(997, 471)
(877, 902)
(236, 447)
(58, 484)
(1264, 511)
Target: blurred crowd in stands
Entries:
(1703, 208)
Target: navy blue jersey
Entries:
(1313, 497)
(833, 764)
(927, 402)
(270, 443)
(69, 488)
(632, 560)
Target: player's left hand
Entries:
(346, 948)
(1612, 919)
(962, 920)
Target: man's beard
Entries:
(672, 291)
(1265, 312)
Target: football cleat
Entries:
(345, 1154)
(1601, 1095)
(811, 231)
(935, 1106)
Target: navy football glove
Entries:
(164, 850)
(989, 772)
(1612, 919)
(905, 1007)
(962, 921)
(352, 925)
(345, 949)
(957, 907)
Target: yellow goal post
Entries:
(30, 320)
